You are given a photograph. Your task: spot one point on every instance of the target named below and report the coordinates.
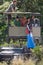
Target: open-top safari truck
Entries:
(19, 32)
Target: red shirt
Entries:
(27, 31)
(23, 21)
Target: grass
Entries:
(41, 62)
(3, 63)
(19, 62)
(22, 62)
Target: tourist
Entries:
(17, 22)
(23, 21)
(30, 40)
(12, 8)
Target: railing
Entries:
(31, 13)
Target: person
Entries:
(17, 22)
(12, 8)
(30, 41)
(32, 20)
(23, 21)
(37, 22)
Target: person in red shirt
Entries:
(23, 21)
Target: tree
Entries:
(31, 5)
(3, 28)
(1, 2)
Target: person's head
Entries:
(33, 17)
(24, 17)
(14, 2)
(17, 18)
(28, 20)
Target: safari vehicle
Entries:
(19, 32)
(16, 32)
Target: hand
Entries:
(13, 10)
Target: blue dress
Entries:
(30, 41)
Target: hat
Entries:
(17, 16)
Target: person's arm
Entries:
(9, 8)
(28, 27)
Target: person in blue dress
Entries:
(30, 40)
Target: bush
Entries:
(38, 52)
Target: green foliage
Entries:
(1, 2)
(26, 5)
(3, 29)
(38, 52)
(4, 6)
(30, 5)
(17, 43)
(12, 23)
(3, 63)
(4, 44)
(8, 0)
